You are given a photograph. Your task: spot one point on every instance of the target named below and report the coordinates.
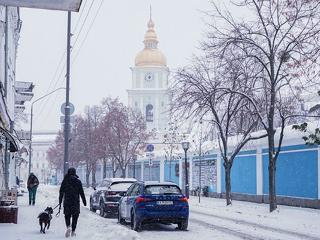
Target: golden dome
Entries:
(150, 55)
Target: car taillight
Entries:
(184, 199)
(142, 199)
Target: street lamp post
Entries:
(200, 153)
(31, 123)
(134, 165)
(185, 146)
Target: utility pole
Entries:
(67, 105)
(6, 154)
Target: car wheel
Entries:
(102, 212)
(135, 223)
(183, 225)
(92, 209)
(120, 219)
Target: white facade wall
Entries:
(7, 81)
(154, 92)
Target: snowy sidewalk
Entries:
(256, 220)
(90, 226)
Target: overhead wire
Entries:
(81, 45)
(63, 56)
(87, 33)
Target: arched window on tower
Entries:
(149, 113)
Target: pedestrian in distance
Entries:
(17, 181)
(70, 192)
(32, 186)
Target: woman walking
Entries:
(32, 186)
(70, 192)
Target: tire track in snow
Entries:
(226, 230)
(256, 225)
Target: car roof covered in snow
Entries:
(120, 179)
(155, 183)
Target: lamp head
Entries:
(185, 145)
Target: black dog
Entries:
(45, 218)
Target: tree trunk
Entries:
(123, 172)
(87, 178)
(113, 169)
(93, 176)
(227, 167)
(104, 168)
(272, 186)
(272, 174)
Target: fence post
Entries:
(259, 172)
(161, 170)
(142, 169)
(218, 172)
(190, 172)
(318, 172)
(180, 173)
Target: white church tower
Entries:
(149, 91)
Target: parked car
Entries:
(107, 195)
(154, 203)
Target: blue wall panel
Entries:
(243, 175)
(296, 174)
(174, 171)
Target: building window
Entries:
(136, 104)
(149, 113)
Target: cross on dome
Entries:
(150, 55)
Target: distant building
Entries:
(149, 92)
(41, 142)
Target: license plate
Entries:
(164, 202)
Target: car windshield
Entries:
(162, 190)
(120, 186)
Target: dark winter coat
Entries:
(70, 192)
(32, 181)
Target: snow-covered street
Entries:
(209, 220)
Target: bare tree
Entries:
(55, 152)
(171, 140)
(125, 131)
(282, 38)
(202, 91)
(96, 146)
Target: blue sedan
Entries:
(150, 202)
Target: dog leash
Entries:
(56, 206)
(58, 213)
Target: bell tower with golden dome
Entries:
(149, 90)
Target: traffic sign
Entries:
(150, 148)
(63, 108)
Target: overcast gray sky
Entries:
(102, 65)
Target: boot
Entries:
(73, 234)
(68, 232)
